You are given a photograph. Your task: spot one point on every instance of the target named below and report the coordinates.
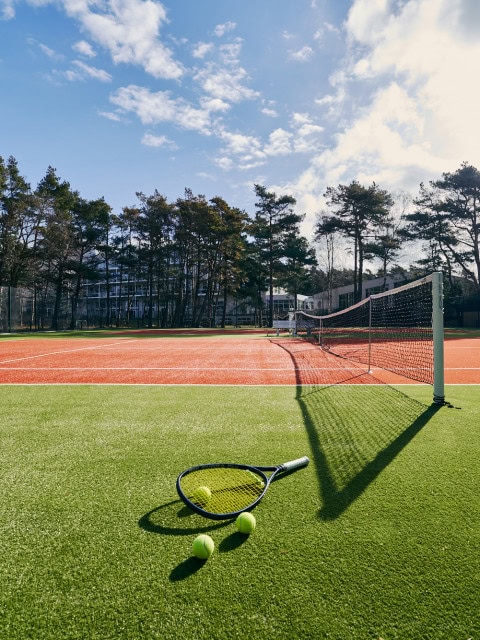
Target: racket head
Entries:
(222, 490)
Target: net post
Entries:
(438, 338)
(369, 336)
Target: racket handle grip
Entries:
(295, 464)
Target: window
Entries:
(372, 290)
(345, 300)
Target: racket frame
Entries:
(275, 470)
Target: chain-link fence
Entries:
(25, 310)
(16, 309)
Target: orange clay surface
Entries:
(214, 360)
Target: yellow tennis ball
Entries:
(246, 522)
(256, 480)
(201, 495)
(203, 546)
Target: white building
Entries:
(342, 297)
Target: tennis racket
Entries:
(220, 491)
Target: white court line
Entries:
(462, 368)
(217, 369)
(56, 353)
(209, 384)
(129, 368)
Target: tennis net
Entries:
(400, 330)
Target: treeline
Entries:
(443, 221)
(189, 253)
(193, 252)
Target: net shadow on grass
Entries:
(354, 433)
(355, 436)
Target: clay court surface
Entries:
(214, 360)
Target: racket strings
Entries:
(222, 490)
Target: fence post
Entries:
(9, 309)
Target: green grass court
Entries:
(377, 538)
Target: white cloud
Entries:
(306, 133)
(47, 51)
(202, 49)
(214, 104)
(84, 71)
(241, 144)
(412, 42)
(302, 55)
(224, 80)
(150, 140)
(205, 175)
(241, 151)
(307, 138)
(333, 101)
(386, 142)
(300, 118)
(326, 28)
(221, 29)
(424, 46)
(225, 163)
(271, 113)
(50, 53)
(7, 10)
(84, 49)
(247, 152)
(383, 144)
(225, 84)
(279, 143)
(309, 130)
(331, 28)
(156, 107)
(110, 115)
(129, 30)
(230, 52)
(404, 102)
(366, 20)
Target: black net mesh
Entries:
(391, 331)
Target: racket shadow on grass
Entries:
(160, 519)
(175, 519)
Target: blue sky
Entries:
(215, 95)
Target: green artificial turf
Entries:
(377, 538)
